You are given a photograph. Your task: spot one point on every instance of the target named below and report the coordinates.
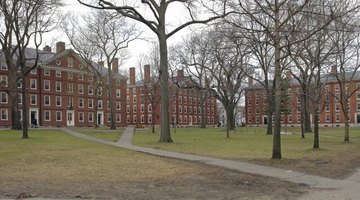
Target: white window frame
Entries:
(58, 103)
(45, 119)
(49, 101)
(6, 114)
(47, 83)
(33, 103)
(58, 114)
(33, 84)
(4, 94)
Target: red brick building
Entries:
(61, 91)
(331, 113)
(143, 102)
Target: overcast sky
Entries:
(136, 48)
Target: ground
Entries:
(209, 183)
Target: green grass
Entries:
(106, 134)
(250, 143)
(52, 154)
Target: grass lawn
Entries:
(106, 134)
(254, 145)
(54, 155)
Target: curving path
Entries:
(328, 189)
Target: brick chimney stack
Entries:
(132, 76)
(333, 70)
(146, 73)
(47, 48)
(115, 65)
(60, 47)
(180, 73)
(251, 81)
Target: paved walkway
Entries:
(330, 189)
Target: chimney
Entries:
(146, 73)
(251, 81)
(288, 75)
(60, 47)
(180, 73)
(333, 70)
(47, 48)
(132, 76)
(115, 65)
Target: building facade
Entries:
(65, 91)
(331, 113)
(143, 102)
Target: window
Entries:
(134, 109)
(81, 117)
(90, 90)
(99, 91)
(100, 104)
(337, 87)
(117, 82)
(185, 119)
(134, 119)
(358, 106)
(327, 118)
(46, 72)
(142, 119)
(33, 84)
(33, 99)
(185, 109)
(180, 109)
(127, 99)
(134, 90)
(70, 75)
(47, 85)
(90, 103)
(4, 97)
(290, 118)
(337, 107)
(19, 98)
(109, 117)
(149, 119)
(118, 105)
(70, 62)
(174, 109)
(195, 101)
(81, 77)
(298, 118)
(90, 117)
(70, 87)
(337, 118)
(91, 78)
(81, 103)
(19, 84)
(4, 114)
(58, 100)
(58, 73)
(58, 116)
(149, 108)
(47, 100)
(327, 107)
(134, 98)
(180, 119)
(142, 108)
(127, 119)
(190, 100)
(58, 86)
(4, 66)
(108, 105)
(180, 99)
(47, 115)
(190, 109)
(118, 93)
(81, 89)
(127, 109)
(118, 118)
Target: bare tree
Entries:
(347, 57)
(194, 55)
(228, 68)
(276, 19)
(156, 22)
(110, 34)
(25, 23)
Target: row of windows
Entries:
(298, 119)
(58, 116)
(142, 108)
(181, 119)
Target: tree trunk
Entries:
(307, 111)
(316, 127)
(202, 110)
(276, 153)
(270, 111)
(302, 125)
(111, 101)
(25, 134)
(347, 134)
(15, 123)
(164, 78)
